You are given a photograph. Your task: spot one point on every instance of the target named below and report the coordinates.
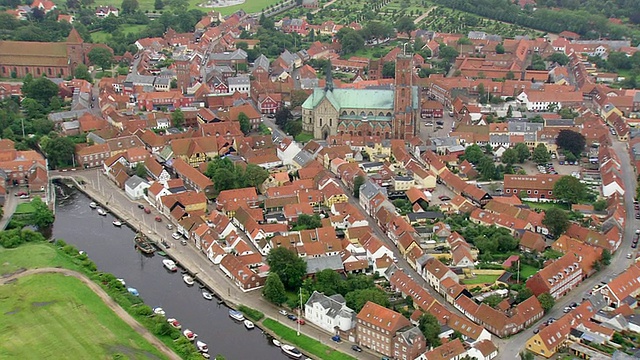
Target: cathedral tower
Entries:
(183, 74)
(404, 122)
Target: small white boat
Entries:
(236, 315)
(276, 342)
(158, 310)
(117, 223)
(248, 324)
(291, 351)
(202, 347)
(170, 265)
(133, 291)
(101, 212)
(206, 356)
(174, 323)
(207, 295)
(121, 280)
(93, 205)
(190, 335)
(188, 280)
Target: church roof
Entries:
(352, 98)
(31, 53)
(74, 37)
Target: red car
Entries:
(301, 321)
(147, 210)
(444, 198)
(158, 219)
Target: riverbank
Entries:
(62, 306)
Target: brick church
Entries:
(52, 59)
(388, 113)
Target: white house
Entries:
(435, 271)
(483, 350)
(287, 150)
(134, 187)
(329, 312)
(241, 84)
(536, 102)
(612, 183)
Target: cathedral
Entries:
(52, 59)
(388, 113)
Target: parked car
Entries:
(444, 198)
(283, 312)
(176, 236)
(301, 321)
(356, 348)
(629, 256)
(336, 338)
(24, 196)
(292, 317)
(169, 226)
(636, 206)
(183, 242)
(140, 206)
(634, 245)
(158, 219)
(147, 210)
(21, 193)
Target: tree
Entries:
(541, 155)
(273, 289)
(327, 282)
(510, 75)
(500, 49)
(556, 220)
(571, 141)
(82, 72)
(523, 152)
(101, 57)
(60, 151)
(493, 300)
(282, 116)
(523, 294)
(389, 70)
(448, 53)
(559, 58)
(526, 355)
(158, 5)
(430, 328)
(288, 265)
(307, 222)
(40, 89)
(177, 118)
(358, 298)
(509, 156)
(141, 170)
(73, 4)
(546, 301)
(129, 6)
(245, 124)
(473, 154)
(357, 183)
(405, 25)
(606, 257)
(350, 40)
(42, 215)
(569, 189)
(254, 176)
(487, 168)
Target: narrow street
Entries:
(10, 203)
(105, 191)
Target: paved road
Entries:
(107, 301)
(512, 346)
(419, 18)
(104, 191)
(10, 203)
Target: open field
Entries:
(31, 256)
(101, 36)
(305, 343)
(249, 6)
(481, 279)
(56, 316)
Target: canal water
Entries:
(112, 250)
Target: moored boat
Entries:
(158, 310)
(207, 295)
(93, 205)
(101, 212)
(248, 324)
(133, 291)
(170, 265)
(276, 342)
(122, 281)
(236, 315)
(174, 323)
(117, 223)
(291, 351)
(188, 280)
(143, 244)
(202, 347)
(190, 335)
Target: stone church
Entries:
(388, 113)
(52, 59)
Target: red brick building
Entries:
(535, 186)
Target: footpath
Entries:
(106, 299)
(194, 260)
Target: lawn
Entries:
(526, 271)
(305, 343)
(481, 279)
(546, 205)
(32, 256)
(304, 137)
(24, 208)
(102, 36)
(249, 6)
(55, 316)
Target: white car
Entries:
(282, 312)
(169, 226)
(628, 256)
(176, 236)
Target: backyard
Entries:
(481, 279)
(53, 316)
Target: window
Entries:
(535, 191)
(550, 192)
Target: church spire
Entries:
(328, 86)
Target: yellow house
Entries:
(550, 338)
(332, 193)
(377, 151)
(194, 151)
(424, 179)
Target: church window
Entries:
(370, 113)
(369, 133)
(320, 121)
(359, 133)
(49, 71)
(380, 113)
(362, 113)
(352, 113)
(38, 71)
(388, 113)
(26, 70)
(330, 122)
(344, 113)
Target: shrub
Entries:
(252, 314)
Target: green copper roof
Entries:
(352, 98)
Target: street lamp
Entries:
(404, 48)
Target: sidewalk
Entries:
(195, 261)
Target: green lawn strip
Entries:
(305, 343)
(304, 137)
(546, 205)
(526, 271)
(481, 279)
(252, 314)
(53, 316)
(24, 208)
(33, 256)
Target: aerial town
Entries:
(455, 196)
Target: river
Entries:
(112, 250)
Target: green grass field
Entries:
(526, 271)
(546, 205)
(304, 137)
(54, 316)
(249, 6)
(24, 208)
(481, 279)
(102, 37)
(305, 343)
(32, 256)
